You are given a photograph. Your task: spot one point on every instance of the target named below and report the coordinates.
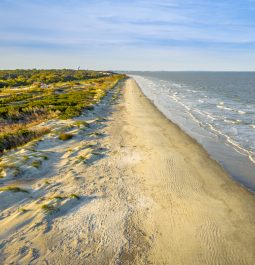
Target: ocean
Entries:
(215, 108)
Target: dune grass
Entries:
(58, 197)
(81, 123)
(36, 164)
(74, 196)
(23, 108)
(23, 210)
(13, 189)
(48, 208)
(20, 137)
(65, 136)
(1, 172)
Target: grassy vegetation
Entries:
(29, 97)
(23, 210)
(81, 123)
(58, 197)
(1, 172)
(14, 78)
(74, 196)
(13, 189)
(19, 137)
(36, 164)
(48, 208)
(65, 136)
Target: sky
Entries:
(150, 35)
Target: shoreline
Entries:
(130, 188)
(188, 175)
(238, 165)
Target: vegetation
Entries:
(1, 172)
(16, 138)
(58, 197)
(48, 208)
(65, 136)
(37, 163)
(74, 196)
(29, 97)
(23, 210)
(13, 189)
(81, 123)
(19, 77)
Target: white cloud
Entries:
(161, 31)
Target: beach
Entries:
(130, 188)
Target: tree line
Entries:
(20, 77)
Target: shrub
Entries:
(81, 123)
(13, 189)
(65, 136)
(58, 197)
(22, 136)
(74, 196)
(37, 163)
(48, 208)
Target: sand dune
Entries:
(129, 188)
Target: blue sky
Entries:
(128, 35)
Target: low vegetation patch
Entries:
(20, 137)
(48, 208)
(29, 97)
(37, 163)
(65, 136)
(13, 189)
(81, 123)
(23, 210)
(44, 157)
(1, 173)
(74, 196)
(58, 197)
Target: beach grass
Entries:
(13, 189)
(36, 163)
(48, 208)
(65, 136)
(58, 197)
(30, 97)
(74, 196)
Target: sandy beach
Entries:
(129, 188)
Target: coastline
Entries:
(221, 146)
(149, 194)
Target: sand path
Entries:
(149, 194)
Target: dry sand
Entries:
(149, 194)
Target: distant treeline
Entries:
(15, 78)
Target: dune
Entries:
(127, 187)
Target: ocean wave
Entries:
(237, 146)
(223, 107)
(220, 124)
(232, 121)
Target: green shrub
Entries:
(13, 189)
(22, 136)
(74, 196)
(37, 163)
(65, 136)
(48, 208)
